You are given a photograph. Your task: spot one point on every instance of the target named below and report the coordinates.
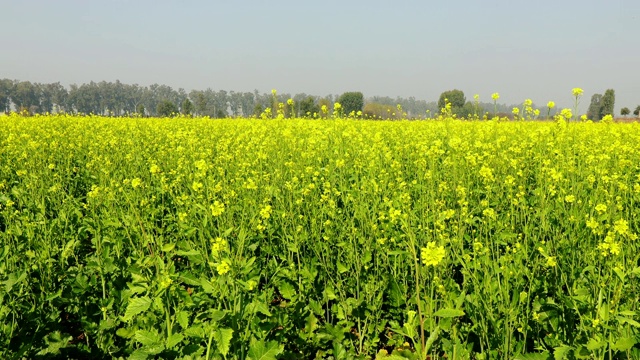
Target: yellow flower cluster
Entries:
(432, 255)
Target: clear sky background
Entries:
(521, 49)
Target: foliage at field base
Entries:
(252, 239)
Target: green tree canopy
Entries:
(187, 107)
(166, 108)
(625, 111)
(636, 112)
(140, 109)
(608, 102)
(308, 107)
(594, 108)
(351, 102)
(455, 97)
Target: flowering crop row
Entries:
(264, 239)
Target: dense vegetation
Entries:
(341, 239)
(119, 99)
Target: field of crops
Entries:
(303, 239)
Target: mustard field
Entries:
(318, 239)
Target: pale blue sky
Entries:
(521, 49)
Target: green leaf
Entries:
(55, 341)
(286, 290)
(182, 317)
(384, 355)
(147, 338)
(207, 286)
(623, 344)
(139, 354)
(14, 279)
(627, 313)
(595, 344)
(174, 340)
(620, 274)
(136, 306)
(447, 313)
(125, 333)
(189, 279)
(533, 356)
(195, 331)
(432, 338)
(259, 307)
(259, 350)
(223, 340)
(216, 315)
(603, 312)
(631, 322)
(561, 352)
(168, 247)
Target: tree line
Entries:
(120, 99)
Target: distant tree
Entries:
(166, 108)
(608, 102)
(5, 94)
(468, 110)
(636, 112)
(59, 96)
(326, 101)
(187, 107)
(455, 97)
(25, 96)
(379, 111)
(351, 102)
(221, 114)
(308, 107)
(593, 113)
(625, 111)
(257, 110)
(140, 109)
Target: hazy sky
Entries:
(521, 49)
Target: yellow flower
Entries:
(251, 284)
(569, 198)
(196, 186)
(490, 213)
(528, 102)
(495, 96)
(566, 113)
(218, 245)
(551, 261)
(432, 254)
(601, 208)
(217, 208)
(551, 104)
(290, 102)
(136, 183)
(223, 267)
(155, 169)
(607, 119)
(614, 248)
(515, 111)
(576, 91)
(621, 226)
(265, 212)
